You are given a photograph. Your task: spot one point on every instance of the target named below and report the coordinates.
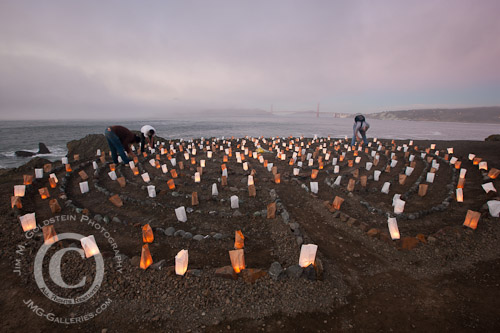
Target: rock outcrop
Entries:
(493, 137)
(22, 153)
(42, 148)
(87, 147)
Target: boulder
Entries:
(22, 153)
(294, 271)
(42, 148)
(275, 270)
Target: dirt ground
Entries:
(440, 276)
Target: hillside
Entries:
(466, 115)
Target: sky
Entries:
(131, 59)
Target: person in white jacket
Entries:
(147, 136)
(360, 127)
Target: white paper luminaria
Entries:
(307, 255)
(392, 223)
(89, 246)
(385, 188)
(19, 190)
(181, 262)
(494, 207)
(489, 187)
(180, 213)
(151, 191)
(112, 175)
(84, 187)
(430, 177)
(28, 221)
(314, 187)
(235, 204)
(145, 177)
(399, 206)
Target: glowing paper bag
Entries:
(237, 260)
(181, 262)
(28, 221)
(307, 254)
(89, 245)
(392, 223)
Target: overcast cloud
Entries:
(89, 59)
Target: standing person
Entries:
(360, 126)
(119, 140)
(147, 134)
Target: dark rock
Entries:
(300, 240)
(42, 148)
(159, 265)
(226, 272)
(170, 231)
(285, 216)
(318, 266)
(198, 237)
(194, 272)
(294, 271)
(187, 235)
(22, 153)
(179, 233)
(275, 270)
(135, 261)
(309, 272)
(218, 236)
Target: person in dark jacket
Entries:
(119, 140)
(360, 126)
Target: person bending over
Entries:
(359, 129)
(119, 140)
(147, 136)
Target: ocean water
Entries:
(25, 135)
